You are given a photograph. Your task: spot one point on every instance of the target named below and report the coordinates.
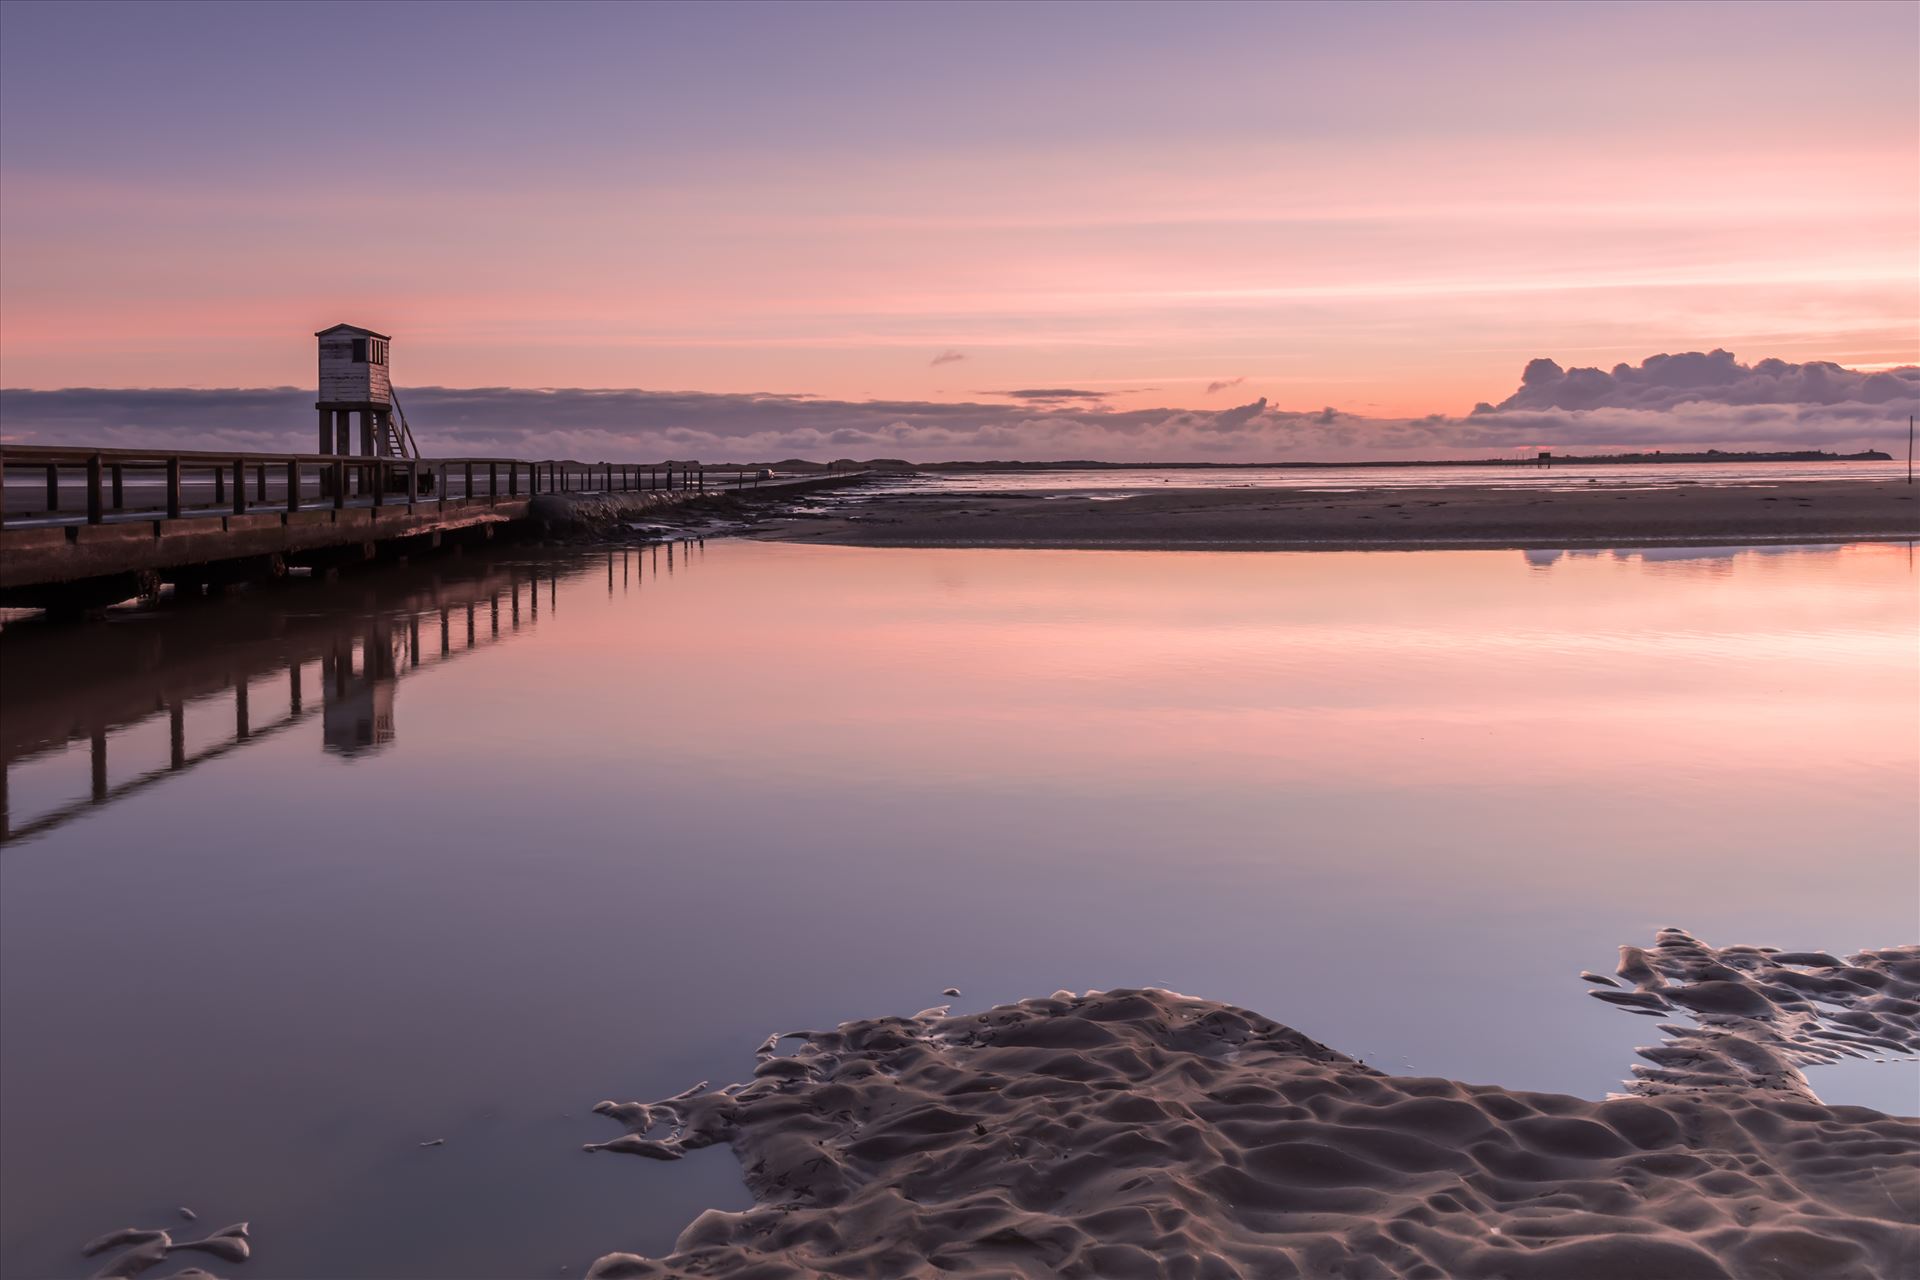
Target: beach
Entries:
(1461, 517)
(1140, 1133)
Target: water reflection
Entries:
(1708, 560)
(254, 661)
(623, 825)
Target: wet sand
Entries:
(1141, 1133)
(1293, 519)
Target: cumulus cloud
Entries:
(1223, 384)
(1668, 382)
(948, 357)
(1690, 401)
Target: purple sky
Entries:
(1216, 221)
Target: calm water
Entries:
(545, 831)
(1151, 479)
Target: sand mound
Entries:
(1140, 1133)
(1761, 1014)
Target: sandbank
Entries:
(1379, 519)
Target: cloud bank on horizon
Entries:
(1679, 401)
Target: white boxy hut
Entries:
(354, 379)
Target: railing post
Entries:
(413, 482)
(239, 486)
(377, 471)
(493, 481)
(95, 514)
(340, 483)
(293, 494)
(260, 483)
(513, 479)
(173, 488)
(219, 486)
(119, 487)
(466, 492)
(441, 484)
(53, 487)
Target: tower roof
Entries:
(355, 331)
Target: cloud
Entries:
(1223, 384)
(1670, 402)
(948, 357)
(1667, 382)
(1050, 393)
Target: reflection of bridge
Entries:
(252, 664)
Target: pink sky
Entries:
(1387, 210)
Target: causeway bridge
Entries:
(82, 526)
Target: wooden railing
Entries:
(100, 485)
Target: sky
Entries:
(1207, 229)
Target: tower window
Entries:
(359, 350)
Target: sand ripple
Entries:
(1141, 1133)
(1761, 1014)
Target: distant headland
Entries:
(790, 465)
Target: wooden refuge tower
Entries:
(354, 379)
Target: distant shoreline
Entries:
(1423, 518)
(1653, 458)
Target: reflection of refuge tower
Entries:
(354, 380)
(358, 715)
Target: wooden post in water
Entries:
(177, 735)
(97, 749)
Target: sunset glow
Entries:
(1385, 209)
